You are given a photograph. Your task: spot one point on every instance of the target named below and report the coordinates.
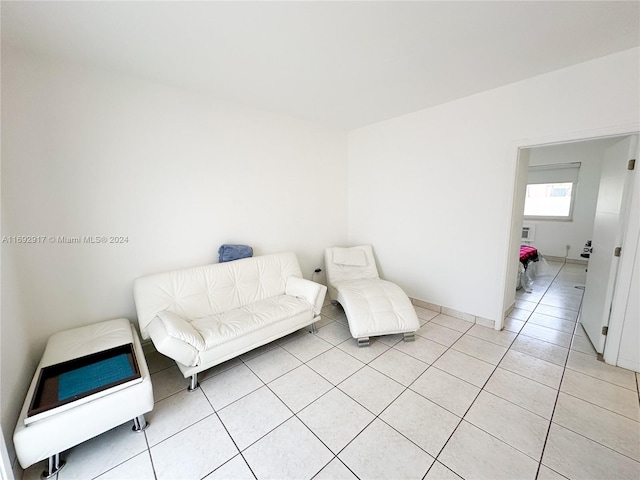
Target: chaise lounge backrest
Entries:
(351, 263)
(211, 289)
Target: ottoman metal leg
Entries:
(363, 342)
(410, 337)
(139, 424)
(312, 328)
(193, 383)
(53, 467)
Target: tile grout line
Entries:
(555, 404)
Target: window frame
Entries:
(550, 174)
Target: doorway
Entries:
(602, 164)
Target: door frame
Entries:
(515, 175)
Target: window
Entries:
(550, 191)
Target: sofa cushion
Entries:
(223, 327)
(179, 328)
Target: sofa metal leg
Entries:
(410, 336)
(53, 467)
(193, 383)
(363, 342)
(139, 424)
(313, 329)
(334, 303)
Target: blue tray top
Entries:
(93, 376)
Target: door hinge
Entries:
(632, 164)
(617, 252)
(605, 330)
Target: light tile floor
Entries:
(462, 401)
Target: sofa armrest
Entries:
(313, 292)
(176, 338)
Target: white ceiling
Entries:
(343, 64)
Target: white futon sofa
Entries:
(203, 316)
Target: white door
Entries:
(607, 235)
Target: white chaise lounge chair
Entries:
(373, 306)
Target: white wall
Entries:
(433, 190)
(88, 152)
(552, 237)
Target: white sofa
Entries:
(203, 316)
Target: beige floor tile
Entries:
(520, 314)
(278, 455)
(558, 312)
(583, 344)
(195, 443)
(607, 395)
(473, 453)
(335, 365)
(603, 426)
(371, 389)
(335, 470)
(552, 322)
(439, 472)
(540, 349)
(465, 367)
(481, 349)
(299, 387)
(136, 468)
(101, 453)
(364, 354)
(545, 334)
(272, 364)
(533, 368)
(176, 413)
(446, 390)
(533, 396)
(391, 340)
(230, 386)
(167, 382)
(306, 347)
(236, 468)
(439, 334)
(253, 416)
(157, 361)
(514, 425)
(545, 473)
(502, 337)
(423, 422)
(422, 349)
(403, 368)
(513, 325)
(577, 457)
(590, 365)
(452, 322)
(425, 314)
(336, 419)
(526, 305)
(568, 302)
(380, 452)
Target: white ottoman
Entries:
(46, 434)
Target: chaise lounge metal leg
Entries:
(139, 424)
(193, 384)
(410, 337)
(313, 329)
(53, 467)
(363, 342)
